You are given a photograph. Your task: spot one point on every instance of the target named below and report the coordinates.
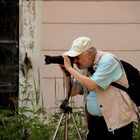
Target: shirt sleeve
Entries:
(108, 70)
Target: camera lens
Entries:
(54, 59)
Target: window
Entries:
(9, 40)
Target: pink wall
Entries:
(113, 25)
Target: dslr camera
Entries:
(56, 59)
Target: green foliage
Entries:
(18, 126)
(22, 126)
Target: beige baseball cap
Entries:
(79, 45)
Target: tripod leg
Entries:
(58, 126)
(76, 127)
(66, 127)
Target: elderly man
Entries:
(110, 111)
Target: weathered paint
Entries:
(29, 83)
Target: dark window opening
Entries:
(9, 48)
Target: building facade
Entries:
(48, 27)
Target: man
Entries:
(110, 110)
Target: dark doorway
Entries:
(9, 48)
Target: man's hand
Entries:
(67, 62)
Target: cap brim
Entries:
(71, 53)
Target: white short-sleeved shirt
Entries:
(108, 70)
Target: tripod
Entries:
(67, 111)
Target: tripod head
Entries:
(65, 107)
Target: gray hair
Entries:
(92, 49)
